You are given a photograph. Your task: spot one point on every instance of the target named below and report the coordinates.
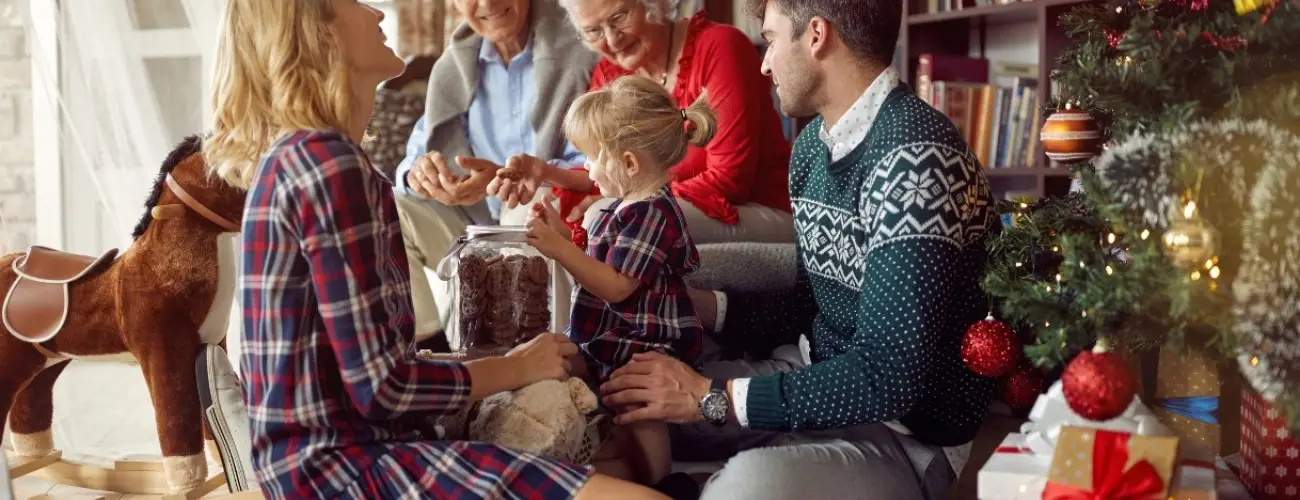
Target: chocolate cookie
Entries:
(537, 271)
(510, 174)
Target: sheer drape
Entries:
(132, 80)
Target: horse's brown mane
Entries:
(187, 147)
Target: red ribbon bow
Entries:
(1109, 479)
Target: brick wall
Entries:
(17, 193)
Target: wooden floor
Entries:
(996, 428)
(35, 488)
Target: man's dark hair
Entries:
(868, 27)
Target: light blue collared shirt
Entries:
(498, 123)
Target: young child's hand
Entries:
(546, 211)
(545, 231)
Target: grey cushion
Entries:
(745, 267)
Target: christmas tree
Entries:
(1186, 233)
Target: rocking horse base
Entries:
(125, 476)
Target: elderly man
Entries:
(891, 212)
(497, 95)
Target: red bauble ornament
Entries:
(1070, 136)
(1022, 388)
(1113, 38)
(990, 348)
(1098, 385)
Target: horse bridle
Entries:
(193, 204)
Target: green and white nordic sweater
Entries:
(891, 240)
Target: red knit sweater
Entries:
(748, 160)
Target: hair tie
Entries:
(684, 115)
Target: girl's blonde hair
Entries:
(278, 69)
(635, 113)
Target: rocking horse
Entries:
(156, 304)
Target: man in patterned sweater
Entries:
(891, 211)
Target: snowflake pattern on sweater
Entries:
(891, 239)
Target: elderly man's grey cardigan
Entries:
(561, 69)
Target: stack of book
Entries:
(999, 117)
(934, 6)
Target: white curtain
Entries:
(131, 81)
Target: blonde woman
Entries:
(337, 405)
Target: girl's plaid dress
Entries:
(646, 240)
(338, 405)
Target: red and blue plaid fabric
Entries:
(338, 405)
(646, 240)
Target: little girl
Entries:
(630, 294)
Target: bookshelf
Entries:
(952, 29)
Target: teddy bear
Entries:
(549, 418)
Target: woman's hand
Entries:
(516, 191)
(660, 388)
(545, 357)
(545, 231)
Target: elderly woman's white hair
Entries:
(656, 11)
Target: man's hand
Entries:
(473, 189)
(660, 388)
(429, 177)
(532, 172)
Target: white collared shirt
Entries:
(851, 129)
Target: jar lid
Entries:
(507, 234)
(481, 232)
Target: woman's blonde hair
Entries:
(636, 114)
(278, 69)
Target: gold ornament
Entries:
(1071, 136)
(1247, 6)
(1189, 241)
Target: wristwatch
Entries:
(715, 406)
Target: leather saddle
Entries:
(36, 305)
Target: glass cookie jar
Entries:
(503, 291)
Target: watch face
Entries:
(714, 407)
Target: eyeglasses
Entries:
(615, 23)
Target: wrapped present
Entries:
(1098, 464)
(1013, 472)
(1018, 467)
(1270, 454)
(1226, 484)
(1051, 413)
(1196, 397)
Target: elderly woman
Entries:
(736, 188)
(499, 92)
(338, 407)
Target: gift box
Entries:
(1013, 472)
(1226, 484)
(1020, 465)
(1194, 396)
(1018, 468)
(1102, 464)
(1270, 454)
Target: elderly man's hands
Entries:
(658, 387)
(431, 178)
(519, 189)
